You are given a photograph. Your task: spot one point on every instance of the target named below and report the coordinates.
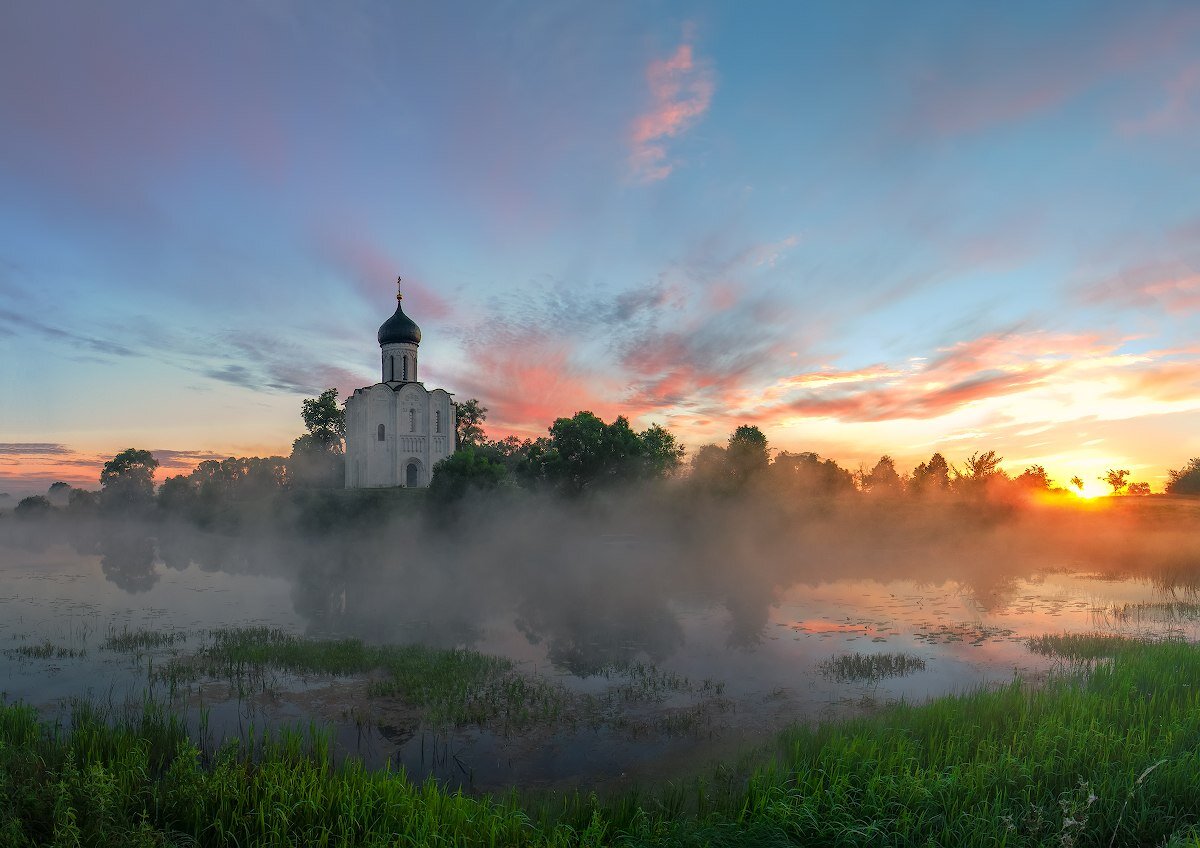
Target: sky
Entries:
(865, 228)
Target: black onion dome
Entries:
(399, 329)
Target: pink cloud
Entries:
(1173, 286)
(681, 89)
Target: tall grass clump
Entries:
(870, 668)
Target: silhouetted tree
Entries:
(59, 493)
(1077, 482)
(1117, 478)
(127, 480)
(932, 476)
(746, 454)
(35, 506)
(1138, 489)
(806, 474)
(980, 468)
(1186, 480)
(883, 479)
(710, 468)
(1034, 477)
(468, 423)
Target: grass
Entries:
(450, 687)
(1084, 647)
(1106, 757)
(134, 641)
(45, 651)
(870, 668)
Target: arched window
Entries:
(406, 367)
(379, 433)
(391, 368)
(412, 421)
(437, 421)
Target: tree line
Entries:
(579, 454)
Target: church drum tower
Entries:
(397, 430)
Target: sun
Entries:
(1091, 490)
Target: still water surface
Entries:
(764, 647)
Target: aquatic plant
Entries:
(869, 668)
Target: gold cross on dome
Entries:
(398, 295)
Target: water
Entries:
(756, 639)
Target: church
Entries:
(397, 430)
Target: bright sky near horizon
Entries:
(866, 227)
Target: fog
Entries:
(600, 580)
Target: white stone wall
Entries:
(418, 430)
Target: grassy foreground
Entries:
(1112, 757)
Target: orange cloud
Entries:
(681, 90)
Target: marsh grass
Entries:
(869, 668)
(1108, 757)
(452, 688)
(45, 651)
(135, 641)
(1084, 647)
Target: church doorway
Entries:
(410, 476)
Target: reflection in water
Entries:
(127, 558)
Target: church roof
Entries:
(399, 329)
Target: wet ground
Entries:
(753, 663)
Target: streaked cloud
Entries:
(681, 90)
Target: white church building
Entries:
(397, 430)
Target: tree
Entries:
(806, 474)
(1117, 479)
(35, 506)
(1077, 482)
(661, 452)
(710, 466)
(883, 479)
(59, 493)
(127, 480)
(1034, 477)
(1186, 480)
(1138, 489)
(584, 451)
(462, 471)
(932, 476)
(746, 454)
(468, 427)
(317, 458)
(325, 420)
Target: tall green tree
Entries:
(317, 456)
(468, 423)
(325, 420)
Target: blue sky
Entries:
(864, 227)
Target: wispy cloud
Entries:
(681, 90)
(33, 449)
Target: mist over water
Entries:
(749, 591)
